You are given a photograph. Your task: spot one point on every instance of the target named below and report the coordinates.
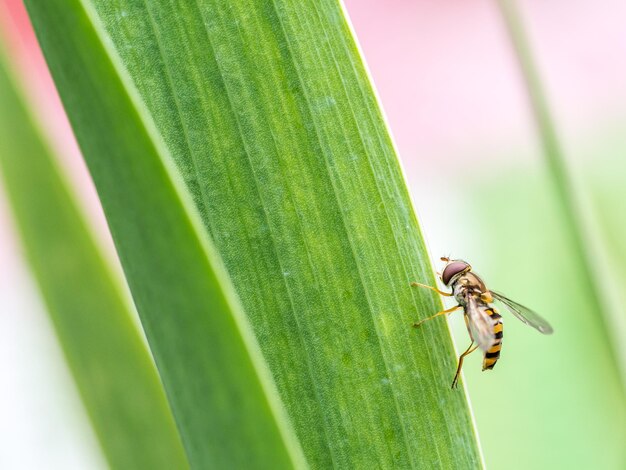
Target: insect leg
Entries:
(443, 312)
(417, 284)
(467, 352)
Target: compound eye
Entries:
(452, 269)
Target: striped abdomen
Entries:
(493, 353)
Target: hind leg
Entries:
(467, 352)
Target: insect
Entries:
(484, 323)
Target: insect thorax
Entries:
(468, 285)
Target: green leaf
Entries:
(565, 189)
(110, 364)
(552, 401)
(222, 398)
(572, 384)
(269, 116)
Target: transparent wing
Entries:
(524, 314)
(480, 325)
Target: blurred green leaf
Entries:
(223, 400)
(552, 401)
(559, 403)
(110, 364)
(605, 191)
(272, 123)
(565, 189)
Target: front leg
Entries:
(417, 284)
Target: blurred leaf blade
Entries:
(114, 373)
(564, 385)
(223, 400)
(583, 238)
(271, 120)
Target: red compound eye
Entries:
(452, 269)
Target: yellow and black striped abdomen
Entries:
(493, 353)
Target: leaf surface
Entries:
(271, 121)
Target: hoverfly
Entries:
(484, 323)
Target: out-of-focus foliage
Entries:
(578, 390)
(224, 404)
(550, 399)
(108, 359)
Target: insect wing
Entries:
(525, 314)
(480, 325)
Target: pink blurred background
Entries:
(447, 70)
